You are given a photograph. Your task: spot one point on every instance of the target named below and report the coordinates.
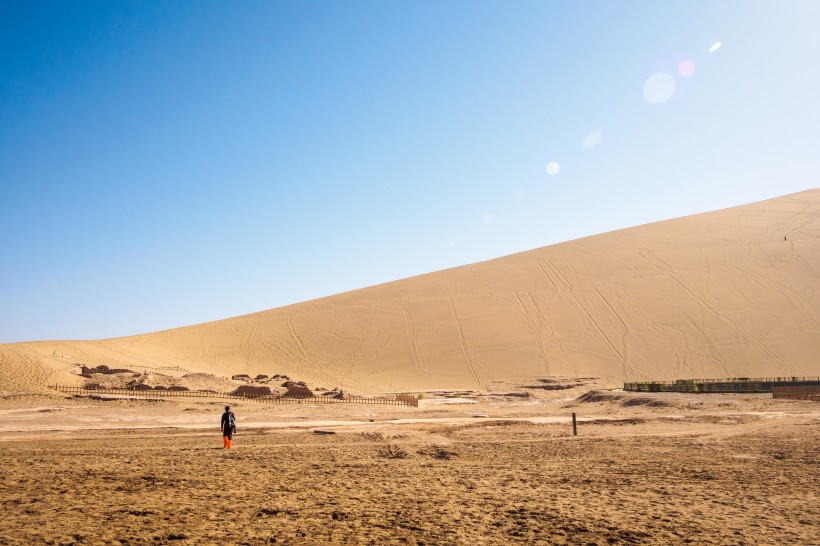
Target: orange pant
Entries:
(227, 443)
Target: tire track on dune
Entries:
(749, 340)
(621, 356)
(541, 322)
(597, 326)
(587, 314)
(808, 266)
(472, 360)
(804, 226)
(350, 361)
(248, 346)
(312, 366)
(376, 349)
(534, 327)
(559, 276)
(788, 220)
(275, 350)
(784, 224)
(373, 308)
(118, 353)
(433, 327)
(762, 280)
(463, 343)
(668, 271)
(780, 322)
(627, 369)
(649, 366)
(644, 324)
(707, 349)
(546, 276)
(558, 343)
(418, 361)
(746, 346)
(298, 341)
(323, 371)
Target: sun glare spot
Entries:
(659, 88)
(488, 218)
(715, 47)
(553, 168)
(592, 140)
(686, 69)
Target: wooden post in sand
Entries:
(574, 425)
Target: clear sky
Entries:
(170, 163)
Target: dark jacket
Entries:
(226, 421)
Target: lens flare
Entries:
(592, 140)
(659, 88)
(715, 47)
(686, 69)
(519, 194)
(489, 217)
(553, 168)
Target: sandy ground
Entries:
(644, 469)
(734, 293)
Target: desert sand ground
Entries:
(644, 469)
(731, 293)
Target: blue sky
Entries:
(169, 163)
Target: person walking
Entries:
(228, 428)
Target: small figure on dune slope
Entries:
(228, 428)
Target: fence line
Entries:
(168, 368)
(797, 393)
(738, 384)
(61, 355)
(398, 400)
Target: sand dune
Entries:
(724, 294)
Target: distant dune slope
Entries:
(724, 294)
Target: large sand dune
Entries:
(724, 294)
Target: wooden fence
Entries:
(738, 384)
(797, 393)
(168, 368)
(397, 400)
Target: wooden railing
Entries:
(397, 400)
(737, 384)
(169, 368)
(797, 393)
